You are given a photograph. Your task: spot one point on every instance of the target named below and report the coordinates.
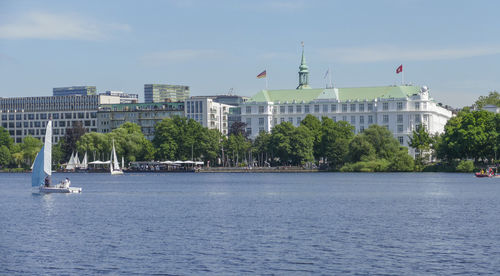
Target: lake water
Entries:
(234, 224)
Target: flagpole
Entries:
(266, 80)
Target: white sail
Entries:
(77, 160)
(123, 163)
(84, 165)
(47, 151)
(116, 165)
(71, 162)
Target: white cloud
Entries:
(42, 25)
(391, 53)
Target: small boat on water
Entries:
(42, 169)
(114, 167)
(490, 172)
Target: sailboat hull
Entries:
(116, 172)
(68, 190)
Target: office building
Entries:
(74, 90)
(208, 112)
(157, 93)
(125, 98)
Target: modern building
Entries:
(492, 108)
(157, 93)
(29, 115)
(146, 115)
(74, 90)
(208, 112)
(125, 98)
(400, 108)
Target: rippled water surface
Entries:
(285, 224)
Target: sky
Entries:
(218, 47)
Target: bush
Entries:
(380, 165)
(465, 166)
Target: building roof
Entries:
(341, 94)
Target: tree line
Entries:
(471, 137)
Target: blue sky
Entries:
(214, 46)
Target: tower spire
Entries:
(303, 72)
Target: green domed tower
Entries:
(303, 72)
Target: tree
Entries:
(30, 148)
(5, 157)
(314, 125)
(335, 140)
(238, 128)
(382, 140)
(5, 139)
(302, 145)
(421, 141)
(72, 135)
(360, 149)
(280, 141)
(261, 147)
(493, 98)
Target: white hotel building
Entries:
(399, 108)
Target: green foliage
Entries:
(470, 135)
(29, 149)
(5, 139)
(237, 147)
(314, 125)
(280, 141)
(302, 143)
(380, 165)
(492, 98)
(402, 161)
(5, 157)
(421, 141)
(335, 139)
(465, 166)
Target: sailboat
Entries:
(71, 163)
(42, 169)
(84, 165)
(114, 167)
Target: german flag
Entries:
(262, 75)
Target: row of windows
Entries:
(194, 107)
(45, 116)
(316, 108)
(39, 124)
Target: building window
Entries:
(353, 108)
(261, 121)
(4, 117)
(261, 109)
(316, 108)
(417, 106)
(370, 107)
(385, 106)
(282, 120)
(353, 120)
(361, 119)
(298, 109)
(361, 107)
(275, 121)
(344, 107)
(325, 108)
(290, 109)
(334, 118)
(385, 119)
(248, 121)
(282, 109)
(290, 119)
(333, 108)
(261, 129)
(344, 118)
(361, 128)
(249, 110)
(18, 117)
(299, 119)
(400, 106)
(400, 118)
(400, 128)
(306, 108)
(370, 119)
(249, 130)
(401, 140)
(417, 119)
(426, 118)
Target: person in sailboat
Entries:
(48, 181)
(66, 182)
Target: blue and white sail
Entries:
(43, 161)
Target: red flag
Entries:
(399, 69)
(262, 75)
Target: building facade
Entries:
(74, 90)
(146, 115)
(125, 98)
(400, 108)
(157, 93)
(28, 115)
(208, 113)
